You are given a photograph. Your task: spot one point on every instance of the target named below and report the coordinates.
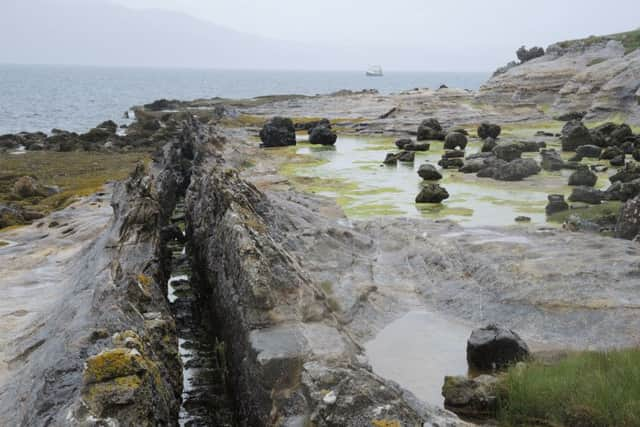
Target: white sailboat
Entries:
(375, 71)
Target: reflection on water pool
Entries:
(352, 172)
(418, 351)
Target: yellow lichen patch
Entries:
(386, 423)
(144, 280)
(110, 364)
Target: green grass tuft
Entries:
(585, 389)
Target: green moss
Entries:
(3, 243)
(110, 364)
(596, 61)
(367, 210)
(584, 389)
(327, 287)
(334, 305)
(595, 213)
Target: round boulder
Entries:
(508, 151)
(429, 172)
(322, 135)
(494, 348)
(575, 134)
(583, 177)
(488, 130)
(432, 193)
(430, 129)
(278, 132)
(455, 140)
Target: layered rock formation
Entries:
(599, 75)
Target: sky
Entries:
(454, 35)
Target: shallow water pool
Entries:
(352, 172)
(418, 351)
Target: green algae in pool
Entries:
(418, 351)
(353, 174)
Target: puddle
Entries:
(418, 351)
(352, 173)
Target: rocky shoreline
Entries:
(291, 287)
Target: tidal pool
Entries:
(352, 173)
(418, 351)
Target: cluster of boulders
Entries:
(104, 137)
(281, 132)
(611, 142)
(489, 350)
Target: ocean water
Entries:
(40, 98)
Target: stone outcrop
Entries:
(598, 75)
(290, 361)
(109, 353)
(628, 226)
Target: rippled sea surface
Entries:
(77, 98)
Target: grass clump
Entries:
(585, 389)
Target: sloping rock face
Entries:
(600, 78)
(108, 353)
(290, 361)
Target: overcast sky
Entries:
(457, 35)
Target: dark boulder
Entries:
(618, 160)
(407, 156)
(508, 151)
(587, 195)
(446, 163)
(322, 135)
(391, 159)
(430, 129)
(525, 54)
(309, 125)
(551, 160)
(488, 145)
(636, 154)
(453, 154)
(488, 130)
(532, 146)
(628, 225)
(630, 172)
(494, 348)
(623, 191)
(455, 140)
(417, 146)
(575, 134)
(588, 151)
(610, 153)
(567, 117)
(278, 132)
(429, 172)
(516, 170)
(556, 204)
(583, 176)
(432, 193)
(401, 143)
(620, 134)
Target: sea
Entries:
(77, 98)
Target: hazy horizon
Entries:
(413, 35)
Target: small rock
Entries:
(475, 398)
(488, 145)
(523, 219)
(451, 163)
